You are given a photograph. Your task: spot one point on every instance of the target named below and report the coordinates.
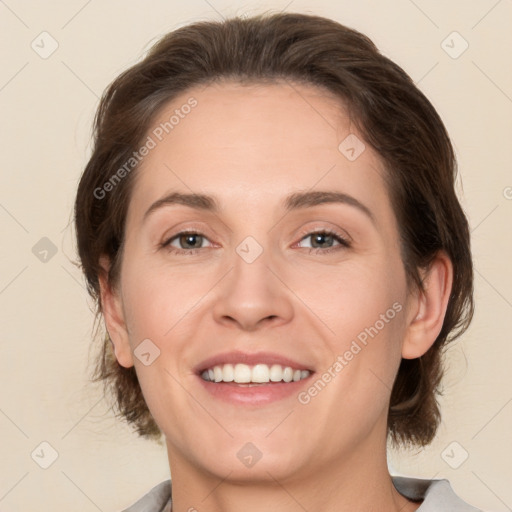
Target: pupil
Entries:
(189, 240)
(321, 236)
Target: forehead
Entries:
(249, 144)
(252, 115)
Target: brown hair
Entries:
(391, 114)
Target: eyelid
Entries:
(168, 239)
(343, 241)
(190, 227)
(341, 233)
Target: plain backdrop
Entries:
(459, 54)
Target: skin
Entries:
(250, 146)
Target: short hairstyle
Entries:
(391, 114)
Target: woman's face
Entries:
(292, 261)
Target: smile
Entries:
(256, 374)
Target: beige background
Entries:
(47, 107)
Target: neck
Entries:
(360, 483)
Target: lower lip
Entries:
(260, 394)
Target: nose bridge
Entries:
(252, 262)
(251, 292)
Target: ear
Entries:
(113, 315)
(428, 308)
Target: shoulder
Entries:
(437, 495)
(157, 499)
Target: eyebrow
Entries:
(295, 201)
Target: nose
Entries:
(253, 295)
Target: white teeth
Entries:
(259, 373)
(276, 373)
(242, 373)
(217, 373)
(288, 374)
(228, 373)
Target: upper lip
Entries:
(234, 357)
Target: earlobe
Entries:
(429, 308)
(112, 310)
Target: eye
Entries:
(325, 241)
(322, 241)
(185, 242)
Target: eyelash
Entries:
(343, 242)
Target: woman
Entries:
(269, 226)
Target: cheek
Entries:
(353, 296)
(157, 298)
(158, 306)
(363, 306)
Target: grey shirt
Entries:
(437, 496)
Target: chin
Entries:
(244, 458)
